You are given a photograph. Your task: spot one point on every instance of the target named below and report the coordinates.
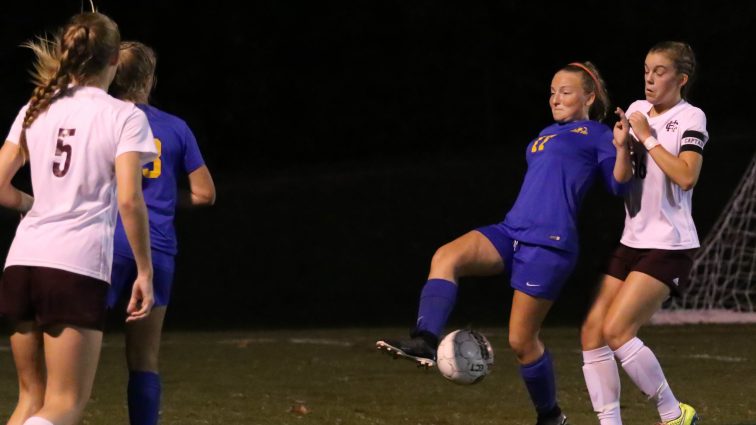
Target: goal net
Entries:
(723, 278)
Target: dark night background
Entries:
(348, 140)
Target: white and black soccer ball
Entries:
(464, 357)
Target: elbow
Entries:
(128, 205)
(207, 201)
(203, 194)
(687, 184)
(205, 198)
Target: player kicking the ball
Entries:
(537, 243)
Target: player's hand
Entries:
(621, 129)
(640, 126)
(141, 300)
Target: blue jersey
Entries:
(563, 162)
(178, 155)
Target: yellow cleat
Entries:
(688, 416)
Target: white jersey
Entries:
(72, 149)
(658, 211)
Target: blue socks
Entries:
(436, 303)
(144, 398)
(541, 384)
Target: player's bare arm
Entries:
(683, 170)
(134, 215)
(11, 160)
(201, 189)
(623, 168)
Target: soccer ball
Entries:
(464, 357)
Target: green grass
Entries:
(255, 377)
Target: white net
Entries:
(723, 279)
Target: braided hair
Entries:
(77, 55)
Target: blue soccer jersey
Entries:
(178, 155)
(563, 162)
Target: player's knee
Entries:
(592, 334)
(31, 382)
(142, 360)
(445, 259)
(70, 401)
(522, 345)
(615, 334)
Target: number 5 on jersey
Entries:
(157, 165)
(60, 149)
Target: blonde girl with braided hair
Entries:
(79, 143)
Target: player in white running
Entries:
(79, 142)
(655, 254)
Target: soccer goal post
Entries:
(723, 278)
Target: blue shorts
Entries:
(124, 272)
(537, 270)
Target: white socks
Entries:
(644, 369)
(603, 382)
(36, 420)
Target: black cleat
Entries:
(421, 348)
(553, 417)
(555, 420)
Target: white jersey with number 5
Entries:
(658, 211)
(72, 149)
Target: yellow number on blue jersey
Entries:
(156, 164)
(543, 139)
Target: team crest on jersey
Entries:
(580, 130)
(671, 125)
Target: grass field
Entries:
(260, 377)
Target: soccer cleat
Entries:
(554, 420)
(421, 348)
(687, 416)
(552, 417)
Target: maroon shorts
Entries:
(672, 267)
(49, 296)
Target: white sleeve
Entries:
(14, 135)
(136, 136)
(635, 106)
(694, 135)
